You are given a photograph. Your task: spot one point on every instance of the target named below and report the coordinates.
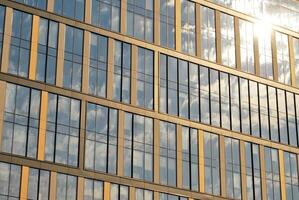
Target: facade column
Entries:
(6, 39)
(178, 25)
(156, 151)
(60, 55)
(179, 156)
(222, 166)
(2, 108)
(120, 144)
(282, 175)
(42, 126)
(86, 56)
(201, 161)
(237, 43)
(110, 69)
(134, 63)
(24, 182)
(34, 47)
(263, 172)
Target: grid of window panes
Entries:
(283, 59)
(272, 174)
(41, 4)
(168, 160)
(138, 147)
(20, 43)
(253, 171)
(38, 184)
(21, 121)
(93, 189)
(66, 187)
(167, 23)
(101, 138)
(188, 34)
(98, 65)
(106, 14)
(70, 8)
(47, 51)
(233, 168)
(119, 192)
(73, 58)
(122, 72)
(10, 181)
(291, 175)
(164, 196)
(140, 19)
(142, 194)
(190, 158)
(62, 130)
(2, 18)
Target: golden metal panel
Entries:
(60, 55)
(237, 43)
(110, 70)
(243, 169)
(134, 58)
(178, 25)
(106, 191)
(2, 108)
(201, 161)
(282, 175)
(123, 18)
(80, 189)
(24, 182)
(222, 166)
(120, 147)
(42, 126)
(292, 61)
(156, 195)
(88, 11)
(6, 39)
(179, 156)
(156, 151)
(157, 22)
(218, 37)
(50, 5)
(263, 172)
(132, 193)
(34, 47)
(82, 134)
(198, 29)
(86, 55)
(274, 56)
(53, 183)
(156, 81)
(256, 53)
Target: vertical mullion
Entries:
(42, 126)
(120, 143)
(60, 55)
(243, 170)
(198, 30)
(156, 151)
(88, 6)
(6, 39)
(178, 25)
(263, 172)
(34, 47)
(179, 155)
(2, 108)
(157, 22)
(82, 134)
(86, 57)
(110, 69)
(282, 175)
(274, 56)
(222, 166)
(237, 43)
(218, 37)
(123, 14)
(292, 61)
(24, 182)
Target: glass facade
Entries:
(73, 9)
(167, 23)
(10, 179)
(188, 34)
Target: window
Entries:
(122, 72)
(10, 181)
(190, 158)
(106, 14)
(264, 116)
(41, 4)
(235, 103)
(233, 168)
(227, 40)
(98, 65)
(167, 23)
(93, 190)
(20, 43)
(214, 97)
(164, 196)
(142, 194)
(254, 108)
(296, 58)
(119, 192)
(62, 130)
(188, 26)
(208, 34)
(272, 174)
(66, 187)
(2, 18)
(204, 95)
(283, 59)
(38, 184)
(246, 46)
(70, 8)
(291, 118)
(194, 91)
(291, 176)
(272, 98)
(73, 55)
(244, 101)
(21, 121)
(183, 73)
(225, 100)
(47, 51)
(212, 163)
(265, 51)
(282, 116)
(167, 153)
(140, 17)
(145, 78)
(138, 148)
(253, 171)
(101, 138)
